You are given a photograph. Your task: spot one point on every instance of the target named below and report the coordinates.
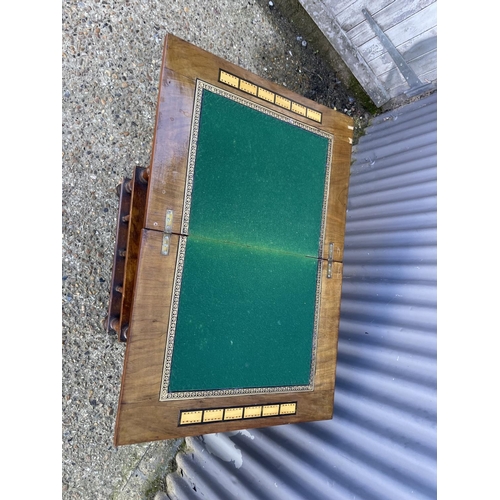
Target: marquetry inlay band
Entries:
(269, 96)
(190, 417)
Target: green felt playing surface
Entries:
(247, 301)
(246, 318)
(258, 180)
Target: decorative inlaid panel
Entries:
(190, 417)
(268, 95)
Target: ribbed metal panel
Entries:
(381, 442)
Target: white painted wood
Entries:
(338, 6)
(411, 25)
(353, 15)
(402, 32)
(422, 66)
(343, 46)
(399, 90)
(409, 50)
(395, 13)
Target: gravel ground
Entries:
(111, 62)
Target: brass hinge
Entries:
(167, 232)
(330, 260)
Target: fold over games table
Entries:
(228, 262)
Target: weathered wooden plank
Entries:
(416, 47)
(394, 79)
(390, 16)
(430, 77)
(334, 33)
(336, 7)
(424, 67)
(421, 65)
(403, 32)
(411, 25)
(350, 18)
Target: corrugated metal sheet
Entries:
(381, 442)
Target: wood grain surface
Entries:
(141, 417)
(337, 199)
(135, 225)
(170, 151)
(193, 62)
